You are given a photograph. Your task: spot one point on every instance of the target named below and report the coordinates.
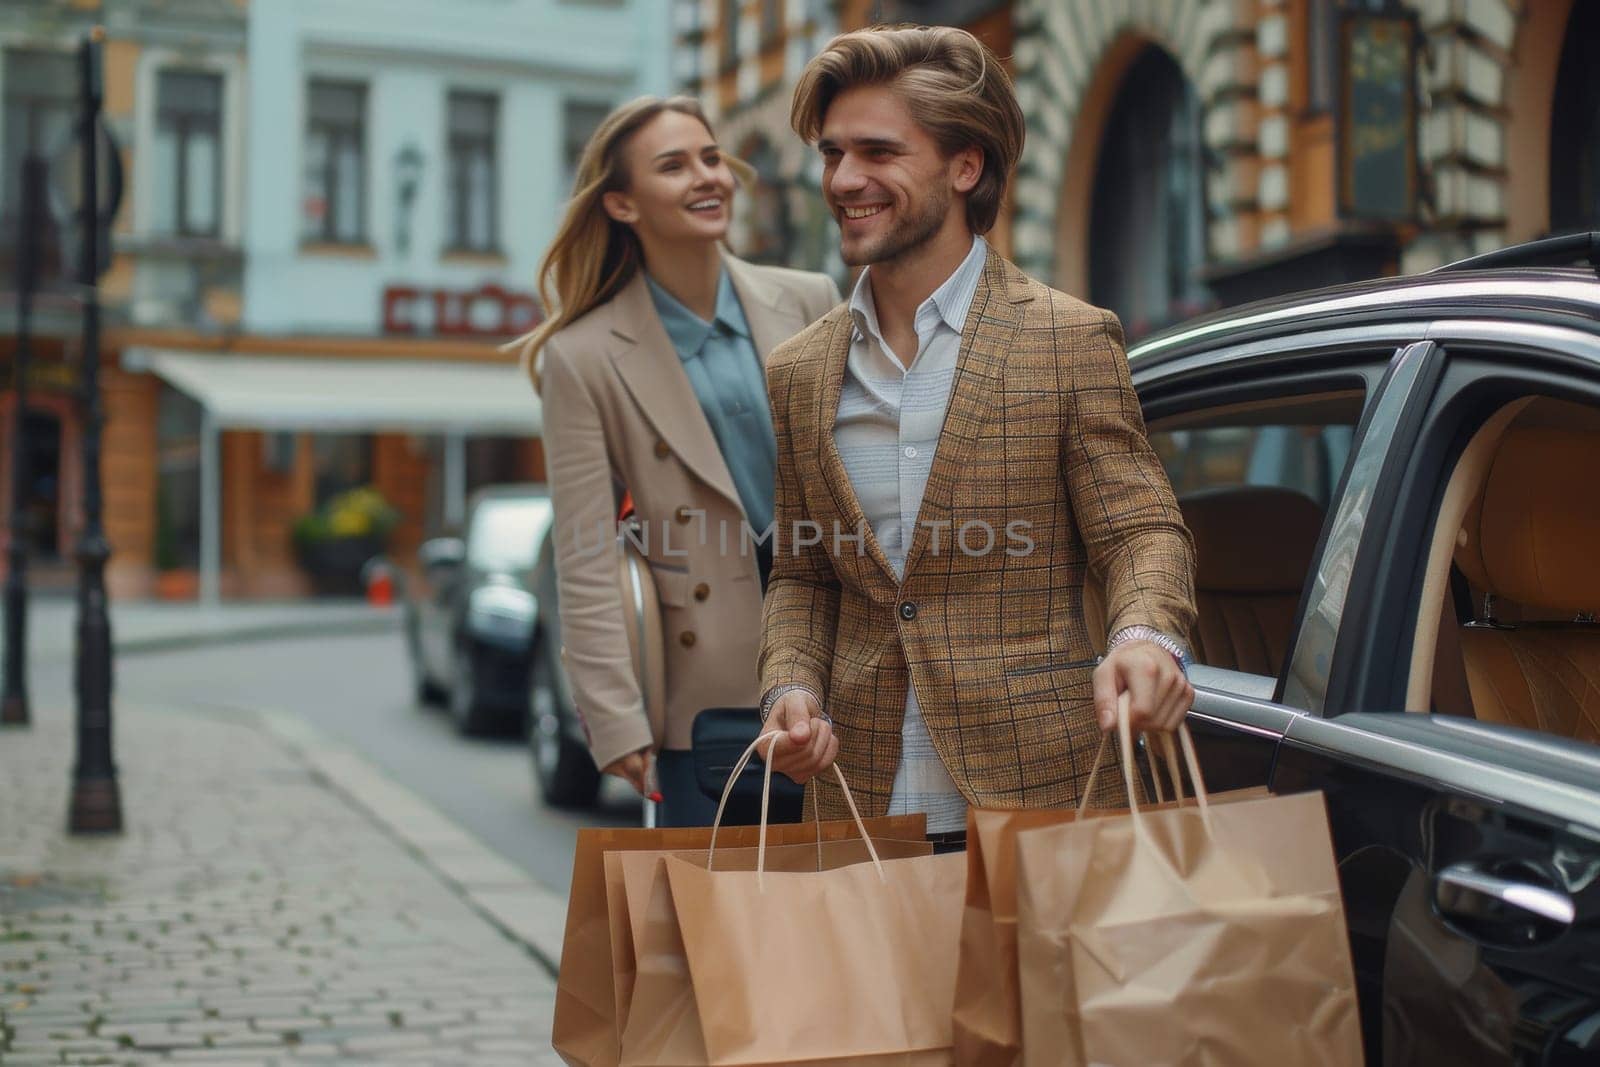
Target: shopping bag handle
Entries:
(1100, 762)
(1125, 737)
(1155, 771)
(766, 793)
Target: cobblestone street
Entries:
(251, 913)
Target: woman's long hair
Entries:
(593, 256)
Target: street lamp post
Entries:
(14, 709)
(96, 801)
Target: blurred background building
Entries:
(334, 213)
(335, 208)
(1187, 154)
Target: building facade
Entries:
(1188, 154)
(334, 214)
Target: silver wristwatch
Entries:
(778, 691)
(1155, 637)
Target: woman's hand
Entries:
(634, 768)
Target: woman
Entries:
(651, 373)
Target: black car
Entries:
(1394, 490)
(470, 625)
(563, 771)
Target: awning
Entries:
(452, 400)
(353, 395)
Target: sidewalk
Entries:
(260, 908)
(152, 625)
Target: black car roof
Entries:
(1568, 295)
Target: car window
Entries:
(1305, 458)
(1507, 629)
(505, 534)
(1254, 483)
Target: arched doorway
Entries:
(1575, 126)
(1147, 225)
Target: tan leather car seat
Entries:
(1534, 539)
(1253, 547)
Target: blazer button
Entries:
(682, 514)
(662, 451)
(702, 591)
(908, 611)
(686, 639)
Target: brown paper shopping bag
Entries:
(584, 1030)
(630, 876)
(853, 965)
(987, 1018)
(1211, 933)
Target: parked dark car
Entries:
(1392, 490)
(470, 624)
(563, 771)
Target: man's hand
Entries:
(634, 768)
(806, 746)
(1150, 675)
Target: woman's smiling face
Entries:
(680, 186)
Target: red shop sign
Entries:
(489, 311)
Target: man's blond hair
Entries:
(954, 86)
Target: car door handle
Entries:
(1462, 889)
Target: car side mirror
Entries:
(442, 554)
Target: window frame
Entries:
(339, 132)
(459, 149)
(34, 103)
(572, 147)
(185, 119)
(1481, 367)
(1310, 362)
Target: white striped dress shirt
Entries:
(890, 413)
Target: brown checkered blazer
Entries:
(1043, 436)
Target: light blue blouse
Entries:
(731, 384)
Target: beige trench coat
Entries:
(619, 408)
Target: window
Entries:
(771, 20)
(342, 461)
(178, 427)
(1512, 580)
(334, 208)
(1322, 47)
(579, 120)
(1255, 483)
(188, 154)
(40, 103)
(506, 533)
(474, 118)
(1305, 458)
(729, 23)
(1147, 239)
(1575, 126)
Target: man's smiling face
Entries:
(885, 180)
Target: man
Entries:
(959, 447)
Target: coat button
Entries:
(702, 591)
(662, 451)
(682, 514)
(686, 639)
(908, 611)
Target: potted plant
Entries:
(334, 543)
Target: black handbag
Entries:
(719, 737)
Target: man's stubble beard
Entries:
(904, 240)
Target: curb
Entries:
(520, 907)
(260, 632)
